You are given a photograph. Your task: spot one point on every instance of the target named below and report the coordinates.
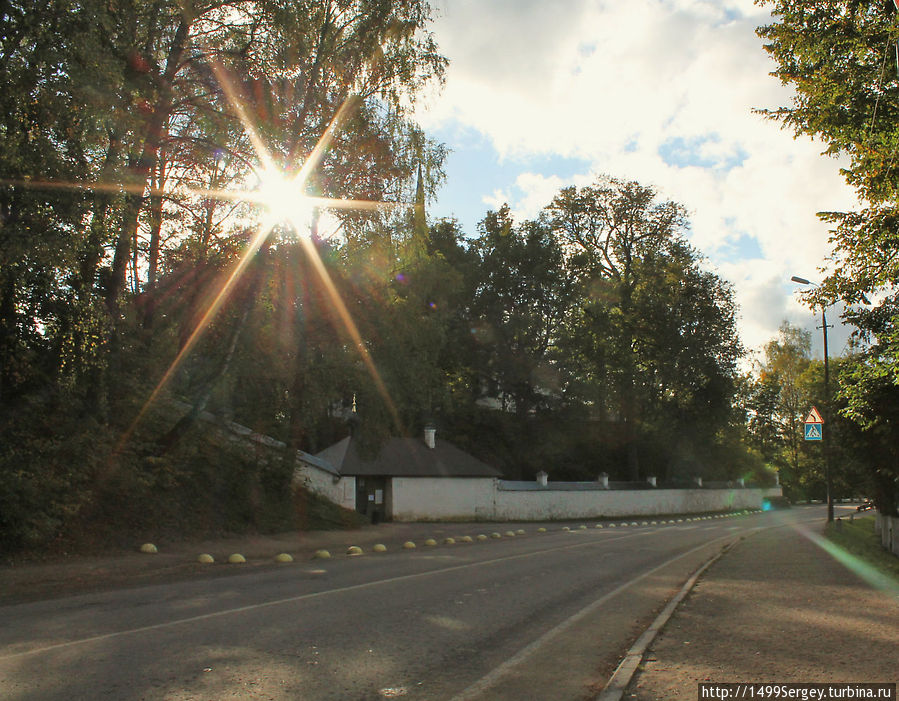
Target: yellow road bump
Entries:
(322, 555)
(633, 523)
(623, 525)
(236, 559)
(520, 531)
(482, 537)
(466, 539)
(566, 528)
(380, 548)
(495, 535)
(611, 525)
(599, 525)
(510, 534)
(148, 548)
(541, 530)
(449, 541)
(206, 559)
(644, 524)
(354, 550)
(430, 542)
(409, 545)
(582, 527)
(283, 557)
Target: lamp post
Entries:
(828, 483)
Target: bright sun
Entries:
(284, 200)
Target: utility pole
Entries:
(828, 479)
(828, 476)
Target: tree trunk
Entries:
(141, 166)
(157, 183)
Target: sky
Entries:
(544, 94)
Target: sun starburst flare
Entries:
(285, 201)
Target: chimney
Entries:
(430, 435)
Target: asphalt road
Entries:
(540, 615)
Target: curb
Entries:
(624, 673)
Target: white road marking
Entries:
(302, 597)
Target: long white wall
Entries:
(423, 498)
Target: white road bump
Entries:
(520, 531)
(482, 537)
(495, 535)
(510, 534)
(599, 525)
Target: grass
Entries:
(858, 537)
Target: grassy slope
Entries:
(858, 537)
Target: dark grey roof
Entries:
(407, 457)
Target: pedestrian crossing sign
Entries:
(814, 432)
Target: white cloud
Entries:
(660, 91)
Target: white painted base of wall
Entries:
(888, 529)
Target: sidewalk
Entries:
(777, 607)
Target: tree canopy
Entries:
(840, 57)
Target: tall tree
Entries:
(840, 57)
(610, 229)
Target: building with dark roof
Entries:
(409, 472)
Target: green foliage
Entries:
(840, 59)
(858, 538)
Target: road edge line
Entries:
(624, 673)
(493, 676)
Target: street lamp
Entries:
(827, 477)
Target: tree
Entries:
(657, 330)
(839, 56)
(520, 305)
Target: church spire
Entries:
(419, 237)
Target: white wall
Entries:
(422, 498)
(341, 492)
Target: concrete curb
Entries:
(624, 673)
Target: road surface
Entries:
(538, 615)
